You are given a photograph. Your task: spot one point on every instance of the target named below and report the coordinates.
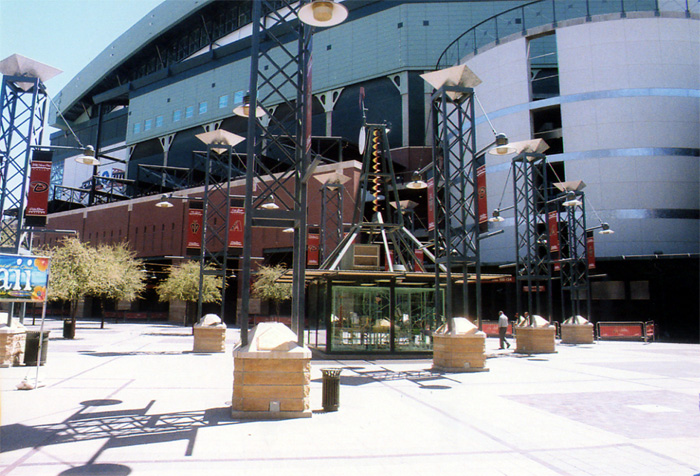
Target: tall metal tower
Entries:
(23, 102)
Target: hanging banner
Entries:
(236, 221)
(481, 194)
(590, 250)
(313, 244)
(553, 221)
(38, 193)
(389, 258)
(431, 204)
(418, 265)
(556, 262)
(195, 223)
(23, 278)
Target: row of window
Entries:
(188, 112)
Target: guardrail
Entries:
(626, 331)
(519, 19)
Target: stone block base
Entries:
(577, 333)
(459, 353)
(12, 345)
(271, 388)
(535, 340)
(209, 339)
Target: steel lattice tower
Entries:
(574, 258)
(23, 104)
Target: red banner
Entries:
(553, 222)
(481, 194)
(620, 330)
(195, 224)
(236, 222)
(556, 262)
(389, 258)
(431, 204)
(590, 250)
(417, 266)
(38, 194)
(313, 245)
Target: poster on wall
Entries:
(23, 278)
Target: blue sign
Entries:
(23, 278)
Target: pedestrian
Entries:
(502, 329)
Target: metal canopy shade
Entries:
(332, 177)
(570, 186)
(18, 65)
(405, 204)
(323, 13)
(536, 146)
(455, 76)
(220, 137)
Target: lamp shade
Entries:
(458, 75)
(323, 13)
(88, 157)
(220, 137)
(164, 203)
(417, 182)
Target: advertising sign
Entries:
(553, 224)
(236, 221)
(481, 194)
(38, 193)
(590, 250)
(313, 243)
(195, 223)
(23, 278)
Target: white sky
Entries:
(65, 34)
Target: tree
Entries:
(267, 286)
(183, 284)
(120, 276)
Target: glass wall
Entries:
(363, 319)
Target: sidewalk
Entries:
(132, 399)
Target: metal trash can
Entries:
(68, 329)
(31, 347)
(331, 389)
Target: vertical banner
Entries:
(389, 258)
(417, 266)
(38, 193)
(431, 204)
(553, 225)
(556, 262)
(313, 244)
(481, 194)
(590, 249)
(195, 223)
(236, 220)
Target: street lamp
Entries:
(323, 13)
(244, 109)
(604, 229)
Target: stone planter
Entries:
(12, 345)
(535, 340)
(462, 350)
(577, 333)
(209, 339)
(272, 375)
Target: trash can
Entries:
(331, 389)
(68, 329)
(31, 348)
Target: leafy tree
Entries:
(183, 284)
(267, 286)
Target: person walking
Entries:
(502, 329)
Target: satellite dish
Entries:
(362, 140)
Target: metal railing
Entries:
(519, 19)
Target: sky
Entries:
(65, 34)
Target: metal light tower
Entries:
(574, 258)
(280, 76)
(23, 102)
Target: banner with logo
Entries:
(236, 222)
(553, 225)
(431, 204)
(590, 250)
(418, 265)
(481, 194)
(38, 193)
(195, 224)
(23, 278)
(313, 245)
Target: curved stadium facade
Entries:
(611, 86)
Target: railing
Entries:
(519, 19)
(626, 330)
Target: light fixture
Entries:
(220, 137)
(323, 13)
(288, 230)
(605, 229)
(502, 147)
(459, 75)
(269, 203)
(417, 182)
(18, 65)
(571, 200)
(88, 156)
(496, 216)
(244, 109)
(164, 203)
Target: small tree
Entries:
(183, 285)
(121, 277)
(267, 286)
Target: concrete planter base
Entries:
(209, 339)
(12, 345)
(535, 340)
(577, 334)
(459, 352)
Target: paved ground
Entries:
(133, 399)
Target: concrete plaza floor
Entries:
(134, 399)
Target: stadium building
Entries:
(612, 87)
